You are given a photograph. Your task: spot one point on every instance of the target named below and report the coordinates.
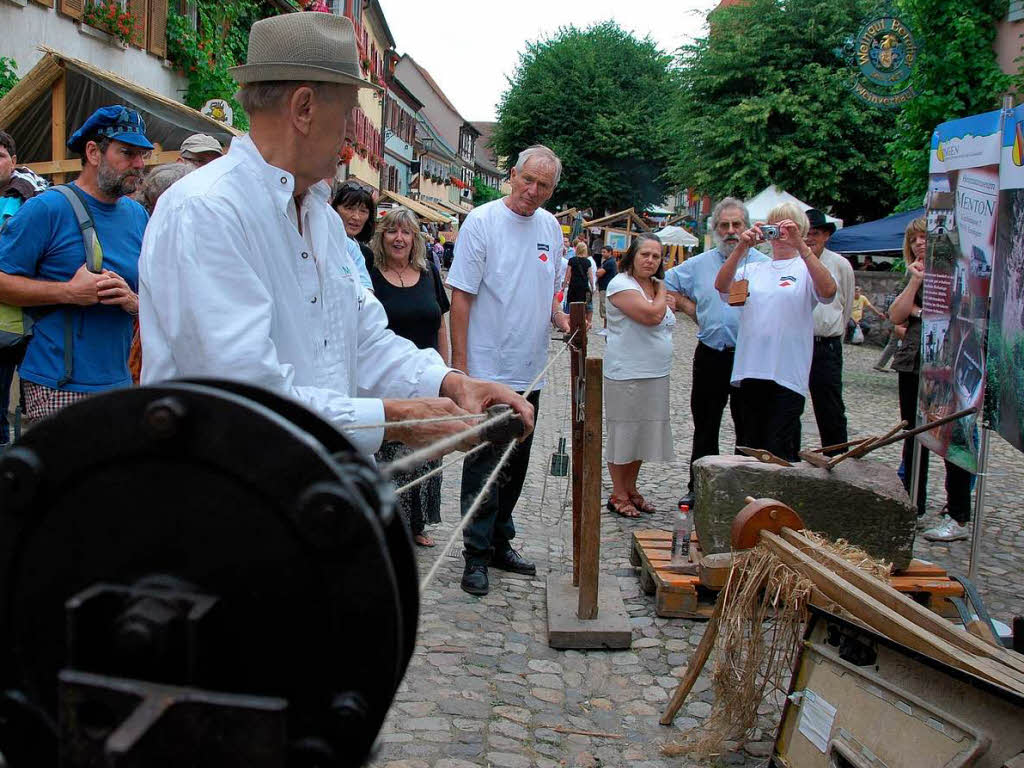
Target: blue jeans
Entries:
(6, 379)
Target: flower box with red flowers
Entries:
(111, 17)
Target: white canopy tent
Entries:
(770, 196)
(677, 236)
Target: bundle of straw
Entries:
(762, 612)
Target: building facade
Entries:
(487, 164)
(61, 25)
(442, 125)
(400, 108)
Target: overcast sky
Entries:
(472, 46)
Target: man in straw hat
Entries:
(245, 271)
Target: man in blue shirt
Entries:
(43, 265)
(692, 283)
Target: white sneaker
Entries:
(603, 332)
(948, 529)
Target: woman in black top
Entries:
(358, 211)
(409, 287)
(577, 280)
(906, 308)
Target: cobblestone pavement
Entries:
(484, 688)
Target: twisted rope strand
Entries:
(436, 470)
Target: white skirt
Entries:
(637, 417)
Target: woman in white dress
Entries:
(637, 361)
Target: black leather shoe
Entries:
(474, 579)
(687, 500)
(513, 561)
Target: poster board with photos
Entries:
(961, 214)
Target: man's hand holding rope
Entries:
(476, 396)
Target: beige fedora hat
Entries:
(309, 45)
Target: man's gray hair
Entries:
(264, 96)
(724, 204)
(542, 153)
(160, 179)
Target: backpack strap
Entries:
(93, 262)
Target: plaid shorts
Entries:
(41, 401)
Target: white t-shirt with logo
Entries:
(776, 333)
(635, 350)
(509, 262)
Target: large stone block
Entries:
(860, 501)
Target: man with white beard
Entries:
(692, 284)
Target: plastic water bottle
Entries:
(681, 536)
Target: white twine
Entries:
(436, 470)
(441, 447)
(470, 514)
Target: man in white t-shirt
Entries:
(504, 283)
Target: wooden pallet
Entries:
(693, 597)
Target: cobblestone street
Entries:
(484, 688)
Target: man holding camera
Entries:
(830, 321)
(692, 284)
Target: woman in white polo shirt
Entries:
(636, 366)
(776, 334)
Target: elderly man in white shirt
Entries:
(245, 270)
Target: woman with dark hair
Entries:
(408, 285)
(637, 361)
(358, 211)
(907, 308)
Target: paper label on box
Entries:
(816, 718)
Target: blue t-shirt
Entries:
(42, 241)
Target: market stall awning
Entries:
(444, 205)
(769, 197)
(60, 92)
(874, 236)
(419, 209)
(677, 236)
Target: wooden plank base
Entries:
(693, 597)
(611, 629)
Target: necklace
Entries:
(399, 273)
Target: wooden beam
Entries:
(903, 605)
(885, 620)
(75, 166)
(696, 665)
(58, 123)
(590, 523)
(578, 330)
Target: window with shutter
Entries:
(45, 3)
(140, 10)
(156, 32)
(72, 8)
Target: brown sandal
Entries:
(622, 508)
(422, 540)
(641, 503)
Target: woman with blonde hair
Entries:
(409, 287)
(906, 308)
(775, 342)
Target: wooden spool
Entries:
(762, 515)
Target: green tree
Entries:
(8, 74)
(595, 96)
(956, 75)
(483, 193)
(766, 98)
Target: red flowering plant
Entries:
(111, 17)
(346, 154)
(317, 5)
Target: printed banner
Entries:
(1004, 392)
(962, 207)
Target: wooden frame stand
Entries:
(583, 612)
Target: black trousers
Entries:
(826, 386)
(958, 480)
(771, 418)
(709, 393)
(491, 530)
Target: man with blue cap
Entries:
(70, 258)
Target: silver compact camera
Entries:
(770, 231)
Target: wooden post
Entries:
(590, 525)
(577, 326)
(58, 121)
